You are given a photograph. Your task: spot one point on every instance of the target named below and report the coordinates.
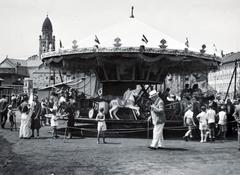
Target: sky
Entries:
(202, 21)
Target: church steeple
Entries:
(46, 40)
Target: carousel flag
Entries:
(144, 39)
(215, 48)
(187, 43)
(222, 54)
(96, 39)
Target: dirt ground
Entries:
(82, 156)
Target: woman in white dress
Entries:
(25, 131)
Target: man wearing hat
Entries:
(158, 119)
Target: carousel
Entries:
(128, 59)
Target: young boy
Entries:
(222, 122)
(211, 114)
(12, 117)
(202, 117)
(189, 122)
(101, 125)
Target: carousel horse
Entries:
(129, 102)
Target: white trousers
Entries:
(157, 140)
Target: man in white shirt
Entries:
(211, 114)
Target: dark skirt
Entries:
(35, 123)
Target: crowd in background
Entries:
(213, 116)
(36, 114)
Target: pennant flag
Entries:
(187, 43)
(215, 48)
(144, 39)
(96, 39)
(60, 43)
(222, 54)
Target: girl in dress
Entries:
(101, 125)
(202, 117)
(54, 120)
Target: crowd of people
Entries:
(36, 114)
(212, 118)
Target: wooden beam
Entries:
(105, 72)
(118, 72)
(134, 73)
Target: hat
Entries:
(153, 93)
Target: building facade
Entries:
(12, 73)
(220, 79)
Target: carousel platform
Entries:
(124, 128)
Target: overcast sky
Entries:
(202, 21)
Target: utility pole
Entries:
(235, 80)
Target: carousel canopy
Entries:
(130, 33)
(131, 51)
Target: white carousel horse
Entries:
(125, 103)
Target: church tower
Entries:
(46, 40)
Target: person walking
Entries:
(158, 119)
(189, 122)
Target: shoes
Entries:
(160, 147)
(185, 138)
(201, 141)
(153, 148)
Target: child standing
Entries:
(202, 117)
(54, 120)
(211, 114)
(101, 125)
(222, 122)
(11, 117)
(189, 122)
